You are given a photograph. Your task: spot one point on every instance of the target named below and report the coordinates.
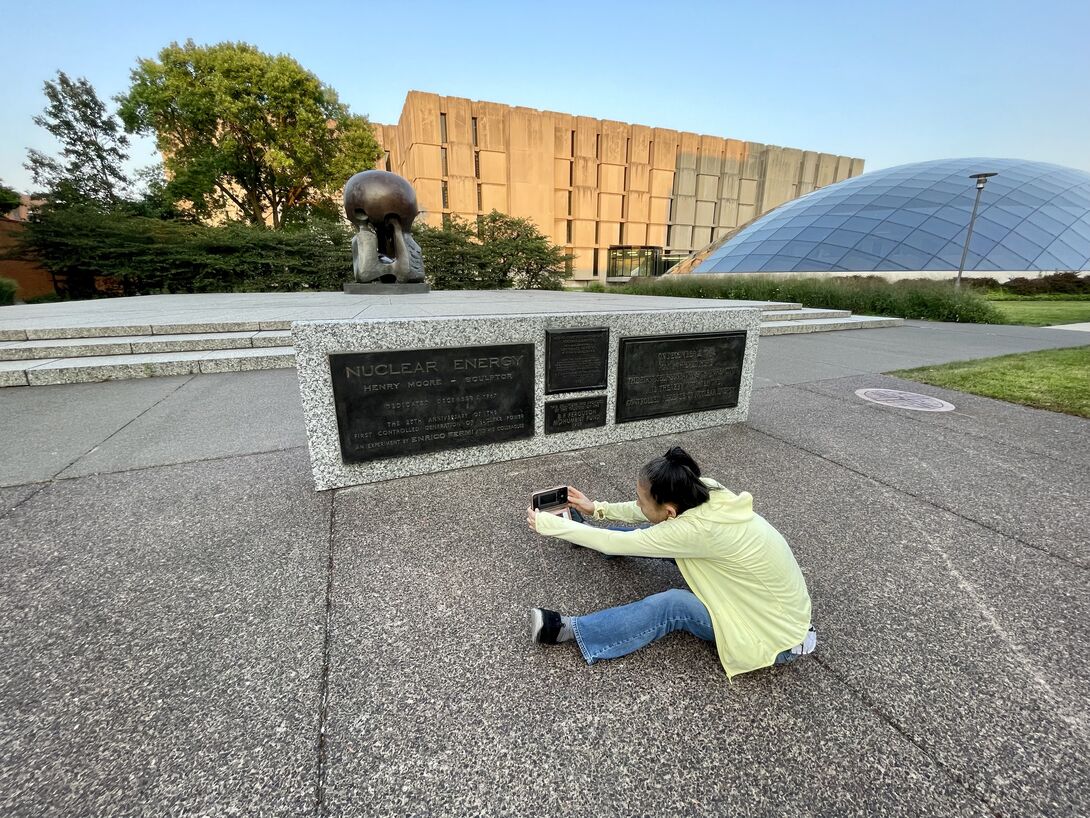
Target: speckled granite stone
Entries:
(315, 340)
(85, 331)
(63, 370)
(213, 326)
(12, 373)
(246, 360)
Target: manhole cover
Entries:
(905, 400)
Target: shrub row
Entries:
(864, 295)
(90, 252)
(8, 287)
(1067, 283)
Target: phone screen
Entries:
(550, 498)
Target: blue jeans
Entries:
(619, 631)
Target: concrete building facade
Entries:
(593, 184)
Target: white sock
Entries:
(566, 633)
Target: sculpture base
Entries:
(527, 373)
(387, 289)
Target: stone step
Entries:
(802, 314)
(48, 371)
(48, 333)
(140, 344)
(827, 324)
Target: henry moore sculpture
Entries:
(382, 206)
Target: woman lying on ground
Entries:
(746, 594)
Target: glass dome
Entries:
(1032, 216)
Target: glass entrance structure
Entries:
(626, 261)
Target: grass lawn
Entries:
(1043, 313)
(1053, 379)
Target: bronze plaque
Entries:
(575, 414)
(662, 375)
(410, 401)
(576, 359)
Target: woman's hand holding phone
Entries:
(578, 500)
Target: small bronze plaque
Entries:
(574, 414)
(410, 401)
(663, 375)
(576, 359)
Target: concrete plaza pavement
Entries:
(190, 629)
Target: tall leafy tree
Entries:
(93, 146)
(515, 251)
(497, 252)
(245, 133)
(453, 260)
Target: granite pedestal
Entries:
(397, 288)
(389, 398)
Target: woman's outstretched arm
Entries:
(673, 538)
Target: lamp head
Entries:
(981, 178)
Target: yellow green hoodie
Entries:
(737, 564)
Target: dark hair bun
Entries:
(677, 456)
(675, 478)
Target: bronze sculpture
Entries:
(382, 206)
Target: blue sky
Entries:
(893, 82)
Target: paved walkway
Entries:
(189, 628)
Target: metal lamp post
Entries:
(981, 178)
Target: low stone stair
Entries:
(43, 356)
(797, 324)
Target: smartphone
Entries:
(553, 501)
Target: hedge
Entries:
(863, 295)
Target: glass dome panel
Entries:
(1031, 216)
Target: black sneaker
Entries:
(545, 626)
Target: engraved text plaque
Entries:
(575, 414)
(576, 359)
(410, 401)
(664, 375)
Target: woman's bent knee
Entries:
(678, 602)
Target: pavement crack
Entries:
(951, 774)
(320, 809)
(124, 426)
(927, 501)
(211, 459)
(34, 493)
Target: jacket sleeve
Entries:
(621, 512)
(673, 538)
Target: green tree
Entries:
(248, 133)
(518, 254)
(155, 201)
(497, 252)
(453, 259)
(93, 146)
(9, 199)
